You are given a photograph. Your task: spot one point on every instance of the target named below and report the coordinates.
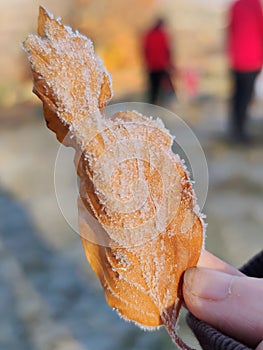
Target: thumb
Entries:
(232, 304)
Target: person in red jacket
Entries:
(245, 51)
(157, 56)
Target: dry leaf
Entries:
(138, 219)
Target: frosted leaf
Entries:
(68, 77)
(135, 195)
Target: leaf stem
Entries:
(176, 339)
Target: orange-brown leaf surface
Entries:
(138, 219)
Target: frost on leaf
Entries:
(137, 212)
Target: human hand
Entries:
(222, 296)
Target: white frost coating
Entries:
(74, 74)
(141, 326)
(134, 172)
(142, 199)
(160, 123)
(50, 15)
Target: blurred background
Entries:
(49, 297)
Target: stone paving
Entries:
(49, 297)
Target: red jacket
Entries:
(156, 50)
(245, 35)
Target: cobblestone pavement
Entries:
(49, 297)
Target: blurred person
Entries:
(245, 51)
(158, 62)
(229, 300)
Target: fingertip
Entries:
(207, 283)
(203, 289)
(230, 303)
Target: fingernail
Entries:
(207, 284)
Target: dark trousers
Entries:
(155, 82)
(243, 87)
